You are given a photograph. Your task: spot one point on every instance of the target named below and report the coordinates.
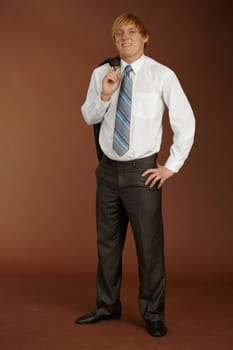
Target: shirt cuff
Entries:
(172, 165)
(101, 102)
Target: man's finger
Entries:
(149, 171)
(161, 182)
(149, 179)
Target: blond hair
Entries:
(126, 18)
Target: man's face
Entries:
(130, 42)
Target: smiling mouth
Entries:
(126, 45)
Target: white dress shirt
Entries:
(155, 86)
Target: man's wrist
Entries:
(104, 97)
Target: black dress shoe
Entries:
(157, 328)
(93, 317)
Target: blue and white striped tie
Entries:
(123, 115)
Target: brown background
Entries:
(47, 156)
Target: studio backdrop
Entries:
(48, 50)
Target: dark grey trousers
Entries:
(121, 197)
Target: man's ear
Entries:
(146, 39)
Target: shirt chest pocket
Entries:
(146, 105)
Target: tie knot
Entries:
(128, 69)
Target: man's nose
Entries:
(125, 35)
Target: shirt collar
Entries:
(136, 65)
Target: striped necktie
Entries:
(123, 114)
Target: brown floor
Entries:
(38, 314)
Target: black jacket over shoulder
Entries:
(114, 61)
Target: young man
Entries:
(129, 101)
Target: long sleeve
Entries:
(155, 87)
(182, 122)
(94, 108)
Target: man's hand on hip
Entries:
(160, 174)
